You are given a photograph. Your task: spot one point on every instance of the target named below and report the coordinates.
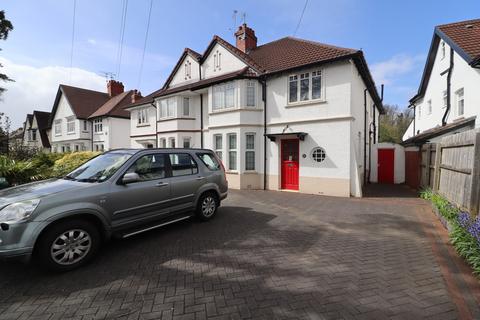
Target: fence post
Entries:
(438, 162)
(475, 187)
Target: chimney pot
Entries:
(246, 39)
(114, 88)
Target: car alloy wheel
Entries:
(71, 247)
(208, 206)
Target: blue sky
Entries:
(394, 35)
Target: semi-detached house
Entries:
(448, 98)
(290, 114)
(36, 131)
(83, 119)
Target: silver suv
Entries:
(62, 222)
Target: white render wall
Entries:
(143, 134)
(463, 76)
(229, 63)
(179, 77)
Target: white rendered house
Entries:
(448, 98)
(291, 114)
(84, 119)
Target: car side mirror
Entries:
(130, 177)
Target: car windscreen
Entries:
(100, 168)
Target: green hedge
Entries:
(41, 166)
(464, 233)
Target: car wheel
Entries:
(207, 206)
(68, 245)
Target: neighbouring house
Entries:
(36, 131)
(84, 119)
(143, 122)
(448, 97)
(290, 114)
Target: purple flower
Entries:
(463, 219)
(474, 229)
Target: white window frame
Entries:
(34, 134)
(218, 149)
(163, 142)
(70, 125)
(429, 106)
(220, 94)
(142, 117)
(85, 125)
(251, 93)
(232, 151)
(460, 96)
(58, 127)
(186, 107)
(172, 143)
(168, 108)
(250, 149)
(298, 78)
(98, 125)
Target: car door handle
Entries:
(161, 184)
(200, 178)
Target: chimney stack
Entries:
(246, 39)
(114, 88)
(136, 95)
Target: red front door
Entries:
(289, 159)
(386, 164)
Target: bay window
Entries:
(218, 145)
(186, 107)
(305, 86)
(223, 96)
(251, 96)
(232, 151)
(142, 116)
(167, 107)
(250, 151)
(58, 127)
(71, 125)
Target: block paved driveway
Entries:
(266, 255)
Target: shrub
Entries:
(465, 230)
(71, 161)
(17, 172)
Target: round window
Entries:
(319, 154)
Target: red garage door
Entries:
(386, 165)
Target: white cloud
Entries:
(388, 71)
(35, 87)
(92, 41)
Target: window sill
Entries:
(143, 125)
(174, 118)
(304, 103)
(70, 133)
(250, 172)
(226, 110)
(231, 172)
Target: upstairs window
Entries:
(34, 135)
(445, 99)
(168, 107)
(186, 107)
(142, 116)
(305, 86)
(58, 127)
(223, 96)
(85, 125)
(70, 125)
(460, 102)
(251, 96)
(98, 125)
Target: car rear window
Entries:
(210, 161)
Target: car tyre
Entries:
(67, 245)
(207, 206)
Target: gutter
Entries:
(264, 98)
(449, 89)
(365, 136)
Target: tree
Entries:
(4, 132)
(5, 27)
(394, 123)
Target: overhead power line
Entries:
(144, 45)
(122, 34)
(73, 40)
(301, 17)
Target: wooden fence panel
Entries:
(455, 168)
